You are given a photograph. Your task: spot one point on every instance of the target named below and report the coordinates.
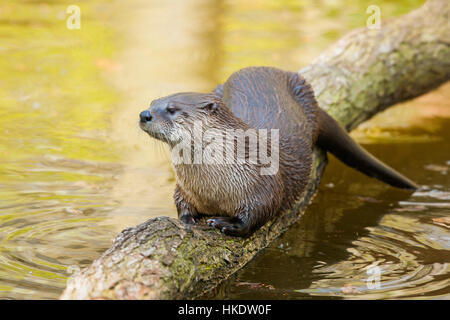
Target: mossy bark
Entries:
(362, 74)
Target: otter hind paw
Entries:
(229, 226)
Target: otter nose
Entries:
(145, 116)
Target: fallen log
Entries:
(362, 74)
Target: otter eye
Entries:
(171, 110)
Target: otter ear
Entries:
(210, 106)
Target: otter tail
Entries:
(333, 138)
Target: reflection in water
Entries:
(75, 168)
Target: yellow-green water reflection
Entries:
(75, 168)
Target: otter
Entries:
(238, 197)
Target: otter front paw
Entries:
(229, 226)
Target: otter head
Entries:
(171, 118)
